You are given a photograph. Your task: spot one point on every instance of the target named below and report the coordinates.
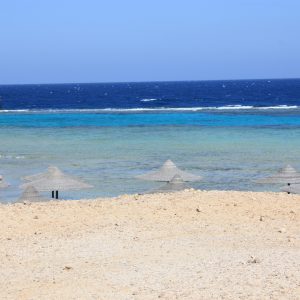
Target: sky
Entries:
(62, 41)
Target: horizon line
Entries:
(150, 81)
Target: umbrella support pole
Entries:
(54, 194)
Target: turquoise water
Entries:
(108, 150)
(81, 119)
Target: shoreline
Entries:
(139, 196)
(186, 245)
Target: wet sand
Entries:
(186, 245)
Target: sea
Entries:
(230, 132)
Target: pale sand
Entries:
(188, 245)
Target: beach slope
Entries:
(186, 245)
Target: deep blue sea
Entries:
(230, 132)
(153, 95)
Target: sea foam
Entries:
(155, 109)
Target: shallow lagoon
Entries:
(229, 149)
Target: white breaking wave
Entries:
(280, 107)
(14, 110)
(148, 100)
(156, 109)
(230, 107)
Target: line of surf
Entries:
(154, 109)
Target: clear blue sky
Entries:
(54, 41)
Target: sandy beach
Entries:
(186, 245)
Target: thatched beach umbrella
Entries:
(3, 184)
(176, 184)
(55, 180)
(166, 173)
(286, 175)
(30, 194)
(40, 175)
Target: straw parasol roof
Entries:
(285, 175)
(55, 180)
(176, 184)
(39, 175)
(3, 184)
(166, 173)
(30, 194)
(293, 189)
